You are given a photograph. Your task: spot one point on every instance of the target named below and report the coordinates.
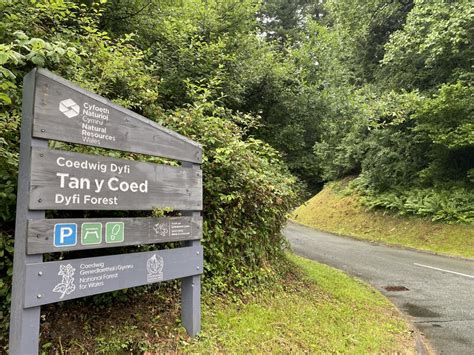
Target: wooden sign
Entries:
(64, 280)
(58, 235)
(54, 108)
(72, 181)
(65, 112)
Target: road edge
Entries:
(422, 345)
(394, 246)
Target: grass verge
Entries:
(314, 308)
(334, 211)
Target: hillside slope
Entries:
(332, 210)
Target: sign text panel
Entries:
(73, 181)
(64, 280)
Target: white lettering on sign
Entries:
(73, 183)
(100, 200)
(84, 165)
(70, 180)
(65, 233)
(94, 119)
(97, 185)
(96, 111)
(95, 274)
(97, 166)
(115, 184)
(77, 199)
(67, 200)
(114, 168)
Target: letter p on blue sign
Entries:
(65, 234)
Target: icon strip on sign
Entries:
(66, 234)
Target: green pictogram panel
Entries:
(114, 232)
(91, 233)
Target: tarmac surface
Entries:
(436, 292)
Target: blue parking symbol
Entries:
(65, 234)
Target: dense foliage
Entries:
(178, 76)
(374, 88)
(403, 116)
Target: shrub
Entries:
(247, 194)
(247, 188)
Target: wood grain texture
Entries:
(57, 281)
(24, 323)
(136, 231)
(177, 188)
(93, 120)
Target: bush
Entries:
(74, 49)
(247, 188)
(414, 152)
(247, 194)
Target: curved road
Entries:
(437, 292)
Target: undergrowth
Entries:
(339, 210)
(307, 308)
(452, 203)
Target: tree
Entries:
(364, 27)
(434, 47)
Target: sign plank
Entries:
(66, 112)
(58, 235)
(64, 280)
(72, 181)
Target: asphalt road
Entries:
(440, 290)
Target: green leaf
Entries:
(5, 98)
(3, 57)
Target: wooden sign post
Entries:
(54, 108)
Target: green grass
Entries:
(312, 308)
(333, 211)
(323, 312)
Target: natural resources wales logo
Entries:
(69, 108)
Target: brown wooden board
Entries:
(66, 112)
(72, 181)
(58, 235)
(57, 281)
